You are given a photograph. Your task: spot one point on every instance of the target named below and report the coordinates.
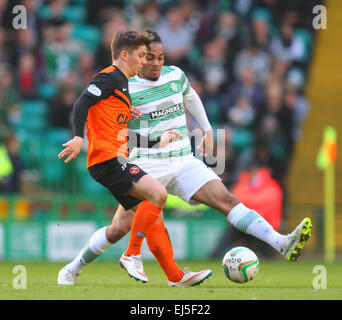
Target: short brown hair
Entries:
(128, 40)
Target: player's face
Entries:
(154, 62)
(136, 60)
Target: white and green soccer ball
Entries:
(240, 264)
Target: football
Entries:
(240, 264)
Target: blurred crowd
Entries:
(247, 59)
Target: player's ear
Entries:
(124, 55)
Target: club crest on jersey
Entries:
(93, 89)
(174, 86)
(165, 112)
(134, 170)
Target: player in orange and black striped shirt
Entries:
(105, 107)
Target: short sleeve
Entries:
(100, 87)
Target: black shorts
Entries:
(118, 177)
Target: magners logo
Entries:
(165, 112)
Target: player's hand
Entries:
(168, 137)
(207, 144)
(135, 113)
(72, 149)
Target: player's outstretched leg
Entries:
(191, 278)
(296, 240)
(98, 244)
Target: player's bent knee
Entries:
(116, 232)
(161, 197)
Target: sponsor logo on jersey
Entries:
(122, 119)
(165, 112)
(93, 89)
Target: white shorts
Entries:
(182, 177)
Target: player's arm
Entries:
(98, 89)
(196, 108)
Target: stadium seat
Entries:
(47, 91)
(53, 171)
(34, 108)
(213, 111)
(58, 136)
(242, 139)
(86, 184)
(306, 37)
(33, 117)
(88, 35)
(74, 14)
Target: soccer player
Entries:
(105, 106)
(158, 93)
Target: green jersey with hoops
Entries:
(162, 105)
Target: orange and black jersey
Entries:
(105, 108)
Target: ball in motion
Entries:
(240, 264)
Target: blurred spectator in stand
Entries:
(242, 113)
(11, 182)
(227, 27)
(54, 9)
(192, 16)
(214, 66)
(255, 188)
(299, 105)
(27, 77)
(61, 108)
(254, 58)
(241, 118)
(103, 56)
(86, 68)
(25, 42)
(247, 86)
(260, 29)
(287, 45)
(273, 132)
(279, 68)
(5, 11)
(177, 37)
(61, 55)
(6, 168)
(147, 17)
(283, 113)
(5, 52)
(9, 100)
(101, 11)
(34, 22)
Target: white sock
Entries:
(252, 223)
(96, 245)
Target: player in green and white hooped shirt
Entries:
(158, 95)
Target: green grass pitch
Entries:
(107, 281)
